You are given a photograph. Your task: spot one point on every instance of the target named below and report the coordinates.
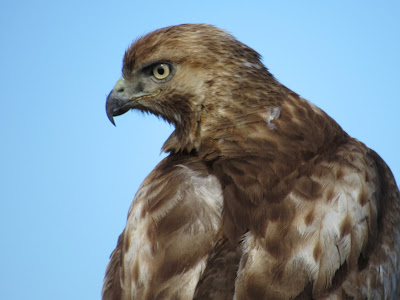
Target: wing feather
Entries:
(172, 227)
(349, 222)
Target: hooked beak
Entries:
(119, 101)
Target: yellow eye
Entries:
(161, 71)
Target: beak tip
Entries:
(111, 118)
(110, 109)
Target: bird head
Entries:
(190, 75)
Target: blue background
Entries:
(68, 176)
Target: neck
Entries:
(287, 132)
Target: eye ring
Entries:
(161, 71)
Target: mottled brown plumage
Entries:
(263, 195)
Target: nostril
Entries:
(119, 88)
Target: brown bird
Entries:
(262, 196)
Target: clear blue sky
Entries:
(68, 176)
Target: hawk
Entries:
(262, 195)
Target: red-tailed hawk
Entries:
(262, 196)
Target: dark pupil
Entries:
(161, 70)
